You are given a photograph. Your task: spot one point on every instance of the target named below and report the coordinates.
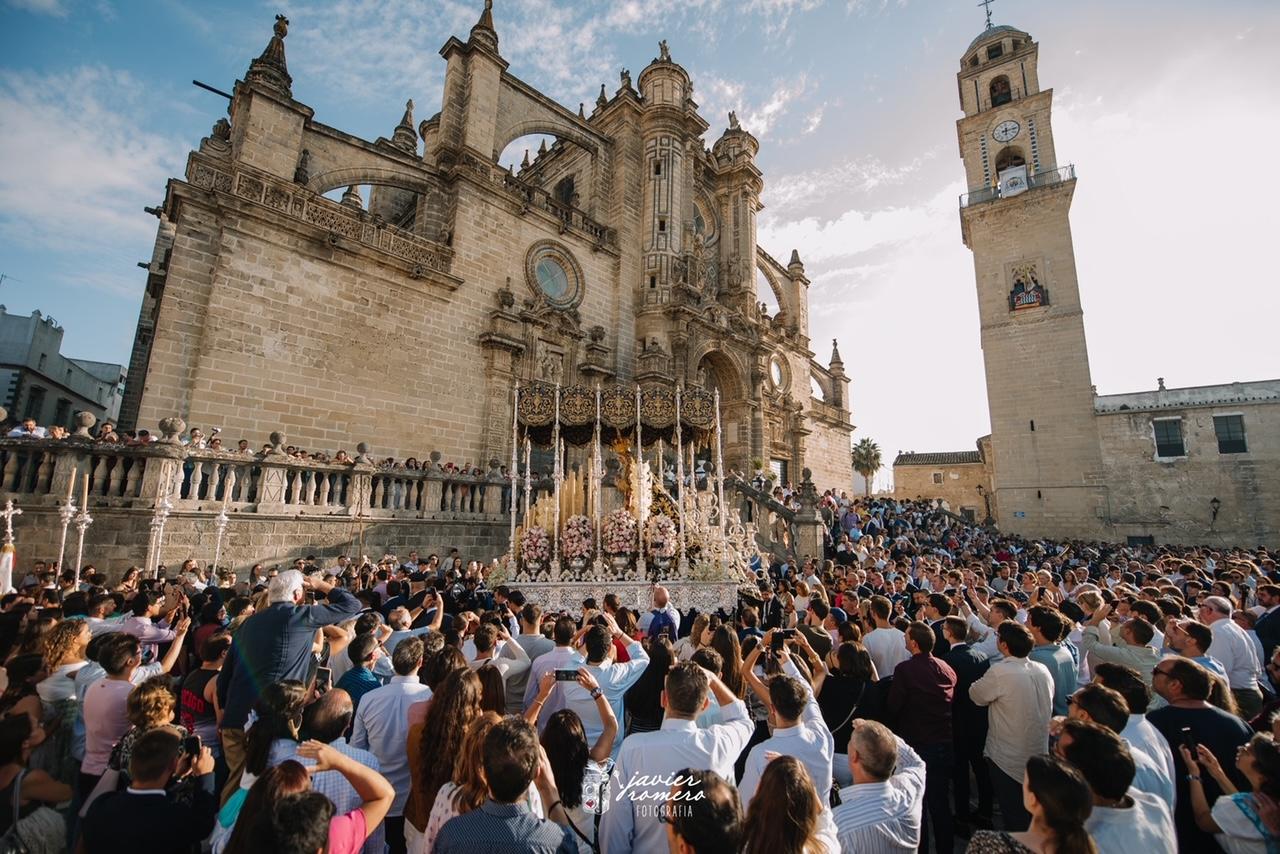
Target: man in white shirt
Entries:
(1098, 704)
(1018, 693)
(1123, 818)
(886, 645)
(881, 811)
(563, 657)
(795, 722)
(613, 678)
(1233, 649)
(382, 727)
(1138, 731)
(27, 430)
(649, 761)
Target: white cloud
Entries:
(41, 7)
(87, 167)
(799, 193)
(814, 119)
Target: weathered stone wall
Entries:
(1169, 499)
(829, 457)
(118, 538)
(959, 486)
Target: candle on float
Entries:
(71, 485)
(84, 501)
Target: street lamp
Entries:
(1215, 505)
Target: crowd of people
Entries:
(924, 686)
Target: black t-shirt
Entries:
(1223, 734)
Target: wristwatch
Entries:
(597, 694)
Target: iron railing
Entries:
(1039, 179)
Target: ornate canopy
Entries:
(616, 407)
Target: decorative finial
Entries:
(795, 259)
(351, 198)
(524, 164)
(1160, 383)
(987, 5)
(664, 55)
(582, 112)
(270, 68)
(835, 353)
(542, 147)
(404, 136)
(602, 98)
(483, 32)
(626, 78)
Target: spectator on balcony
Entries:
(28, 429)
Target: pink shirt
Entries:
(347, 833)
(105, 721)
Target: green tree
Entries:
(866, 461)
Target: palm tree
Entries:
(866, 461)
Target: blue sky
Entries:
(1169, 109)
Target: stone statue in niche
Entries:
(701, 376)
(551, 367)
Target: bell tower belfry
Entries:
(1048, 463)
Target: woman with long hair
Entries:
(643, 700)
(581, 771)
(787, 814)
(688, 645)
(287, 778)
(725, 642)
(1059, 801)
(493, 692)
(285, 785)
(466, 790)
(1235, 816)
(20, 697)
(435, 744)
(129, 581)
(843, 693)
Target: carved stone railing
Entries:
(757, 506)
(570, 217)
(39, 472)
(299, 203)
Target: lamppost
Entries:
(1214, 505)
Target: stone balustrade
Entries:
(39, 471)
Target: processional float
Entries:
(620, 527)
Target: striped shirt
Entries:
(884, 817)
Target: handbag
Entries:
(42, 832)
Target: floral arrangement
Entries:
(535, 545)
(660, 531)
(576, 541)
(619, 533)
(704, 570)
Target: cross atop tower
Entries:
(986, 4)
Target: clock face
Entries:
(1006, 131)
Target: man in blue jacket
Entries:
(272, 645)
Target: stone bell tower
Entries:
(1048, 464)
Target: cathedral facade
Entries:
(1170, 465)
(624, 252)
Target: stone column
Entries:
(493, 483)
(809, 524)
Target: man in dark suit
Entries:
(770, 608)
(1268, 626)
(968, 724)
(937, 608)
(145, 817)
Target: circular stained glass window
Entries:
(552, 278)
(554, 275)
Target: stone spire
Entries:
(542, 147)
(483, 33)
(404, 136)
(835, 356)
(524, 164)
(351, 198)
(602, 98)
(270, 69)
(795, 260)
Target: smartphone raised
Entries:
(566, 676)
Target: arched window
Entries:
(1001, 93)
(1009, 158)
(564, 191)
